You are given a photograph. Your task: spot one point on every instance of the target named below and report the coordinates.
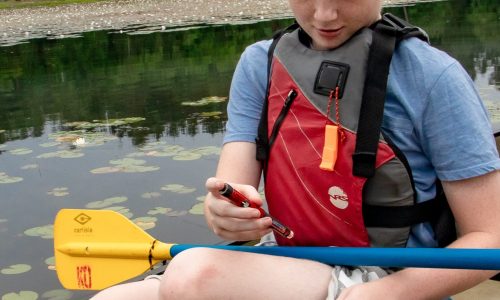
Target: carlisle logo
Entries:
(82, 218)
(338, 198)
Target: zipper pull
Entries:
(291, 95)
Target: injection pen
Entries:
(239, 199)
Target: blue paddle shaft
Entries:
(446, 258)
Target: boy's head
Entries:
(330, 23)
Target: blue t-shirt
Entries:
(433, 114)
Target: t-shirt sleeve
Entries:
(456, 131)
(246, 96)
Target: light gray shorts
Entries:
(342, 277)
(156, 277)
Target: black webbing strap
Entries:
(402, 216)
(386, 34)
(443, 223)
(262, 140)
(372, 105)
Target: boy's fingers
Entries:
(214, 185)
(226, 209)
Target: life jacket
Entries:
(329, 172)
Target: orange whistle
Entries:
(330, 149)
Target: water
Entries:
(66, 142)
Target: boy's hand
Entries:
(231, 222)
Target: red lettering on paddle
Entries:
(84, 277)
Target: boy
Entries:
(431, 113)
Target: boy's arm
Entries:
(239, 167)
(475, 203)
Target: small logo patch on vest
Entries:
(338, 198)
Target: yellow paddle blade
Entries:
(95, 249)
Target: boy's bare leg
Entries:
(140, 290)
(218, 274)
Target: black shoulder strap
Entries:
(386, 34)
(404, 29)
(262, 140)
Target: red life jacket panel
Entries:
(324, 207)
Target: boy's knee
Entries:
(191, 274)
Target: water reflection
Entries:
(55, 92)
(105, 75)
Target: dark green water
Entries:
(102, 78)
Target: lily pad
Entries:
(59, 192)
(159, 210)
(205, 101)
(178, 188)
(210, 114)
(208, 150)
(106, 202)
(187, 155)
(145, 222)
(20, 151)
(136, 154)
(120, 122)
(16, 269)
(105, 170)
(158, 150)
(165, 151)
(197, 209)
(61, 154)
(128, 162)
(22, 295)
(67, 138)
(78, 124)
(138, 169)
(45, 232)
(2, 130)
(153, 145)
(126, 165)
(176, 213)
(51, 263)
(29, 167)
(82, 138)
(49, 144)
(150, 195)
(4, 178)
(103, 123)
(50, 260)
(57, 295)
(123, 210)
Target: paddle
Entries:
(95, 249)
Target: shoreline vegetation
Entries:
(9, 4)
(24, 20)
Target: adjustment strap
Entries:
(262, 140)
(403, 28)
(402, 216)
(372, 105)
